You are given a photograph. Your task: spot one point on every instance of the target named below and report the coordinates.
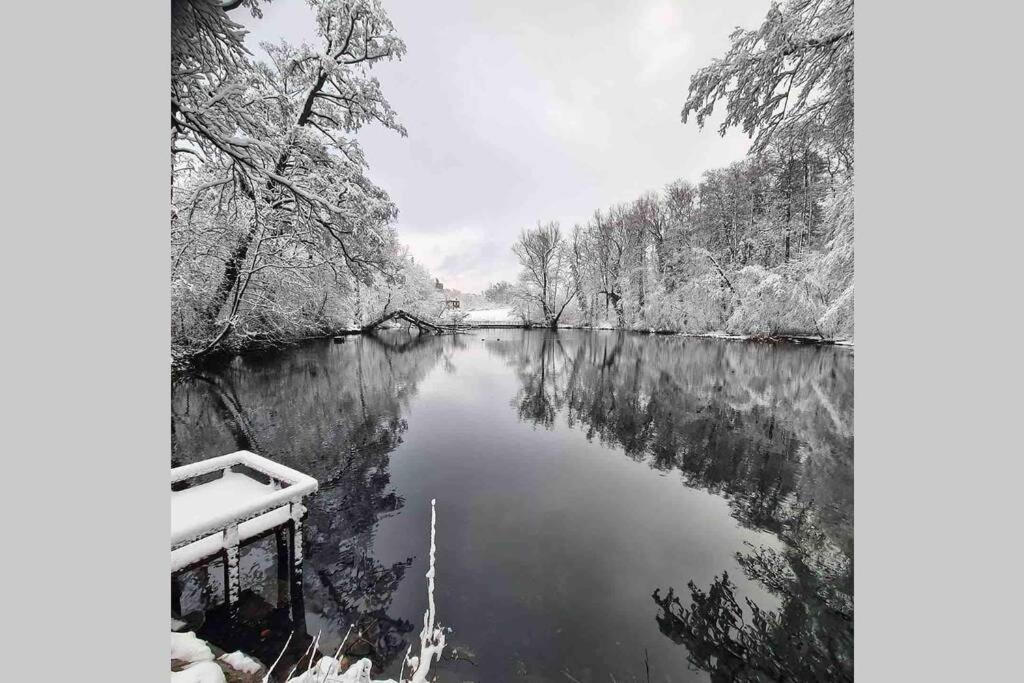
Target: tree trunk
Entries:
(233, 267)
(578, 282)
(232, 271)
(640, 297)
(358, 318)
(620, 315)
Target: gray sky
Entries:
(531, 110)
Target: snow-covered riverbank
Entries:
(194, 660)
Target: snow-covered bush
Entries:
(663, 309)
(705, 303)
(837, 320)
(812, 295)
(834, 269)
(773, 302)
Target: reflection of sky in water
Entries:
(549, 543)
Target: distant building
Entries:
(451, 304)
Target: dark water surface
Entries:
(610, 506)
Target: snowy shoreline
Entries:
(183, 364)
(760, 337)
(776, 338)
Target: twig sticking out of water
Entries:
(432, 641)
(432, 638)
(266, 678)
(401, 671)
(309, 651)
(336, 663)
(313, 648)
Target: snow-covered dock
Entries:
(238, 497)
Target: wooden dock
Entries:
(234, 499)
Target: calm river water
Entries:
(611, 506)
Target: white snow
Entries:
(186, 647)
(201, 513)
(211, 545)
(324, 671)
(201, 672)
(239, 661)
(195, 504)
(503, 316)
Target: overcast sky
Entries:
(531, 110)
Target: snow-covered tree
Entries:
(409, 287)
(792, 76)
(500, 293)
(763, 246)
(273, 214)
(545, 281)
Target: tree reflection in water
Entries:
(342, 420)
(769, 428)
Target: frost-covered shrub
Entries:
(748, 278)
(812, 295)
(772, 303)
(837, 320)
(834, 269)
(663, 310)
(705, 303)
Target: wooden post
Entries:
(232, 577)
(175, 596)
(283, 565)
(295, 588)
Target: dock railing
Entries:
(221, 530)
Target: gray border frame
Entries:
(86, 339)
(87, 348)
